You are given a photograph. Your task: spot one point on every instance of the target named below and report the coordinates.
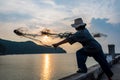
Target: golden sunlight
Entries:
(46, 39)
(46, 69)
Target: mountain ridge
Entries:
(27, 47)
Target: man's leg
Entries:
(81, 59)
(100, 58)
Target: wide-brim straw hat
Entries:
(78, 22)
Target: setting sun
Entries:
(46, 39)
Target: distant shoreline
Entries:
(29, 54)
(28, 47)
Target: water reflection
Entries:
(38, 67)
(46, 67)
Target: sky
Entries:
(100, 16)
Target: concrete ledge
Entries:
(94, 72)
(116, 60)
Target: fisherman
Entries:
(90, 48)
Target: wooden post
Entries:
(111, 49)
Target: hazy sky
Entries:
(100, 15)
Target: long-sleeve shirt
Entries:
(86, 39)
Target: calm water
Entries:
(38, 66)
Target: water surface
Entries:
(38, 66)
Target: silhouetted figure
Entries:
(90, 48)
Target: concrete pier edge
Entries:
(95, 72)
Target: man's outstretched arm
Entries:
(61, 42)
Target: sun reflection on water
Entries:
(46, 67)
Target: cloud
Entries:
(92, 9)
(112, 30)
(41, 11)
(59, 14)
(14, 17)
(98, 9)
(103, 25)
(56, 11)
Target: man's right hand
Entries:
(55, 45)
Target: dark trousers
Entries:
(98, 56)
